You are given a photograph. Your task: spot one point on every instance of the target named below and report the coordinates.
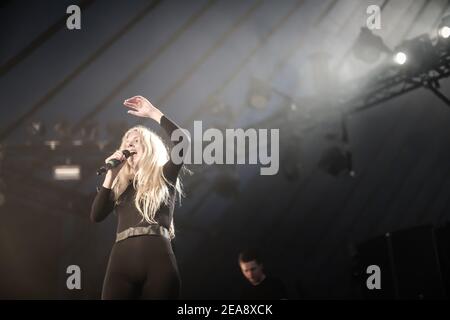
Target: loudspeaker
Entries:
(409, 264)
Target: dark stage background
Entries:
(232, 64)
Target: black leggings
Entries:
(142, 267)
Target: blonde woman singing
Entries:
(142, 190)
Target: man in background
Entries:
(259, 286)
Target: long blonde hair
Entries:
(149, 182)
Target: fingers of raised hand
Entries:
(135, 113)
(135, 100)
(131, 105)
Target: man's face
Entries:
(252, 271)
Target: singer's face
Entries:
(134, 144)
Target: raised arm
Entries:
(173, 166)
(141, 107)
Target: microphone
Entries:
(114, 162)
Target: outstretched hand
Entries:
(141, 107)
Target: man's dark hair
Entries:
(248, 255)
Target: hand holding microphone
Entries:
(115, 162)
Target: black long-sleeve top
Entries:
(128, 215)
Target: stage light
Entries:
(369, 47)
(77, 142)
(67, 172)
(444, 32)
(35, 131)
(36, 128)
(400, 58)
(444, 28)
(417, 55)
(52, 144)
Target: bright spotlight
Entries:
(67, 172)
(400, 58)
(417, 55)
(444, 32)
(444, 28)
